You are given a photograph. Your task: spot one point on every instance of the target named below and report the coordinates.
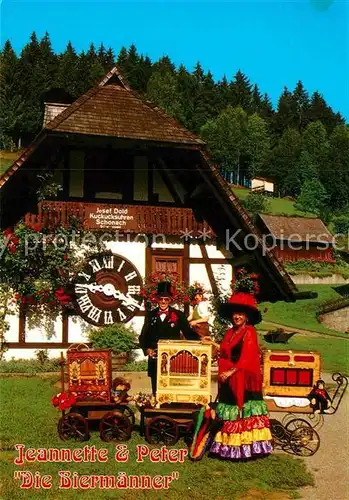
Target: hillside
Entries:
(278, 206)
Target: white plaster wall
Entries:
(135, 252)
(269, 186)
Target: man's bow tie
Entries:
(163, 312)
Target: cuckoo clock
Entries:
(107, 290)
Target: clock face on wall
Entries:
(108, 290)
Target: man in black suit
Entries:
(164, 322)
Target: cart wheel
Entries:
(73, 426)
(126, 410)
(304, 441)
(115, 426)
(162, 430)
(296, 423)
(277, 430)
(189, 435)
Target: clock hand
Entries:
(93, 287)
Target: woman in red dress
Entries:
(246, 429)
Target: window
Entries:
(291, 377)
(166, 261)
(167, 264)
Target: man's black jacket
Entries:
(171, 328)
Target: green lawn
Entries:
(278, 206)
(29, 419)
(302, 313)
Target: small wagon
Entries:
(89, 380)
(289, 377)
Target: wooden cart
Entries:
(89, 379)
(288, 378)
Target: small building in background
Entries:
(262, 185)
(298, 238)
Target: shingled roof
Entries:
(112, 109)
(297, 228)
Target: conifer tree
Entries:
(300, 105)
(313, 197)
(199, 73)
(144, 73)
(241, 89)
(314, 150)
(205, 103)
(284, 162)
(105, 57)
(188, 88)
(256, 100)
(336, 175)
(27, 86)
(68, 76)
(285, 114)
(319, 110)
(223, 93)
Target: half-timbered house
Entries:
(129, 169)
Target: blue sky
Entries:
(275, 43)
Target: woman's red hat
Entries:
(244, 303)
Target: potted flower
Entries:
(121, 339)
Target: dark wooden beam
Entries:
(167, 181)
(65, 328)
(21, 325)
(209, 271)
(186, 261)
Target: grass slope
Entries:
(35, 424)
(278, 206)
(302, 313)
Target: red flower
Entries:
(12, 248)
(63, 400)
(173, 317)
(17, 296)
(65, 257)
(8, 231)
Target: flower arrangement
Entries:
(245, 282)
(38, 269)
(192, 290)
(63, 400)
(178, 289)
(144, 400)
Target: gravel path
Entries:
(307, 332)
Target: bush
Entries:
(136, 366)
(256, 203)
(341, 224)
(118, 337)
(31, 366)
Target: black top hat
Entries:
(164, 289)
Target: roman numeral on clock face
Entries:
(108, 261)
(134, 289)
(95, 314)
(108, 317)
(130, 276)
(84, 275)
(84, 303)
(121, 314)
(121, 265)
(95, 265)
(80, 288)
